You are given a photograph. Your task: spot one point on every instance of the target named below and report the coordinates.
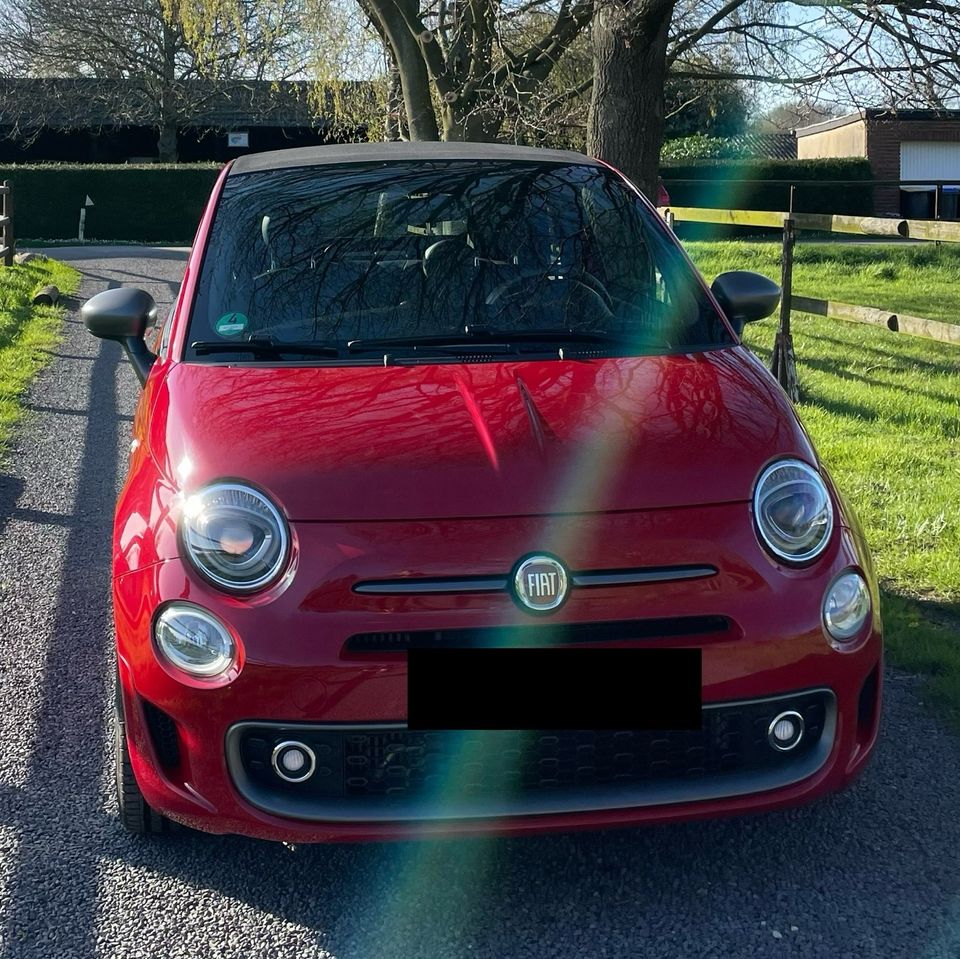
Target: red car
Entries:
(456, 397)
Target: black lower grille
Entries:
(163, 735)
(398, 764)
(547, 634)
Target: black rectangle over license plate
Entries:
(554, 688)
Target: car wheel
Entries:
(135, 814)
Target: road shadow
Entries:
(713, 888)
(59, 799)
(11, 488)
(870, 872)
(923, 637)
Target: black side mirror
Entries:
(745, 296)
(123, 315)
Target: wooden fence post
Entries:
(6, 210)
(783, 363)
(938, 207)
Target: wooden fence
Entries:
(6, 223)
(783, 362)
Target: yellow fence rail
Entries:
(783, 361)
(943, 232)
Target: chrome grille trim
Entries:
(632, 577)
(496, 584)
(406, 587)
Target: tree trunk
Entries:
(393, 18)
(392, 125)
(626, 107)
(167, 142)
(421, 120)
(167, 138)
(473, 125)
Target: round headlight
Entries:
(195, 641)
(846, 606)
(235, 536)
(793, 511)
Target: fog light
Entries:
(846, 606)
(785, 731)
(194, 640)
(293, 761)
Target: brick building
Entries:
(902, 145)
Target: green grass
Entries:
(884, 411)
(919, 280)
(27, 333)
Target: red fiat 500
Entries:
(454, 398)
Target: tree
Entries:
(792, 114)
(143, 42)
(462, 68)
(479, 69)
(715, 108)
(849, 51)
(478, 61)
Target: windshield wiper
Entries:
(482, 336)
(263, 346)
(548, 336)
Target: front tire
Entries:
(136, 815)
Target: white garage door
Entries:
(923, 160)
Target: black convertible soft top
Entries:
(385, 152)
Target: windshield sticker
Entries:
(231, 324)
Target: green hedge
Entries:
(150, 203)
(163, 203)
(811, 196)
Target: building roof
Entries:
(378, 152)
(771, 146)
(877, 113)
(89, 102)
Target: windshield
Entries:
(346, 256)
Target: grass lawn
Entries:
(27, 332)
(919, 280)
(884, 411)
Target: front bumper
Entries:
(304, 675)
(383, 773)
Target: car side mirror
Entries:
(123, 315)
(745, 296)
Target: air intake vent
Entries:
(554, 634)
(163, 735)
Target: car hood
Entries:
(479, 439)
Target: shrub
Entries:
(715, 187)
(699, 146)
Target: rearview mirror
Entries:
(123, 315)
(745, 296)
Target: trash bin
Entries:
(950, 203)
(917, 204)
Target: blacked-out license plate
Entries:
(554, 688)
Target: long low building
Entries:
(89, 120)
(917, 145)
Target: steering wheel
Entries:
(512, 288)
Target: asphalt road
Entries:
(872, 872)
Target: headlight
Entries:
(793, 511)
(846, 606)
(195, 641)
(235, 536)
